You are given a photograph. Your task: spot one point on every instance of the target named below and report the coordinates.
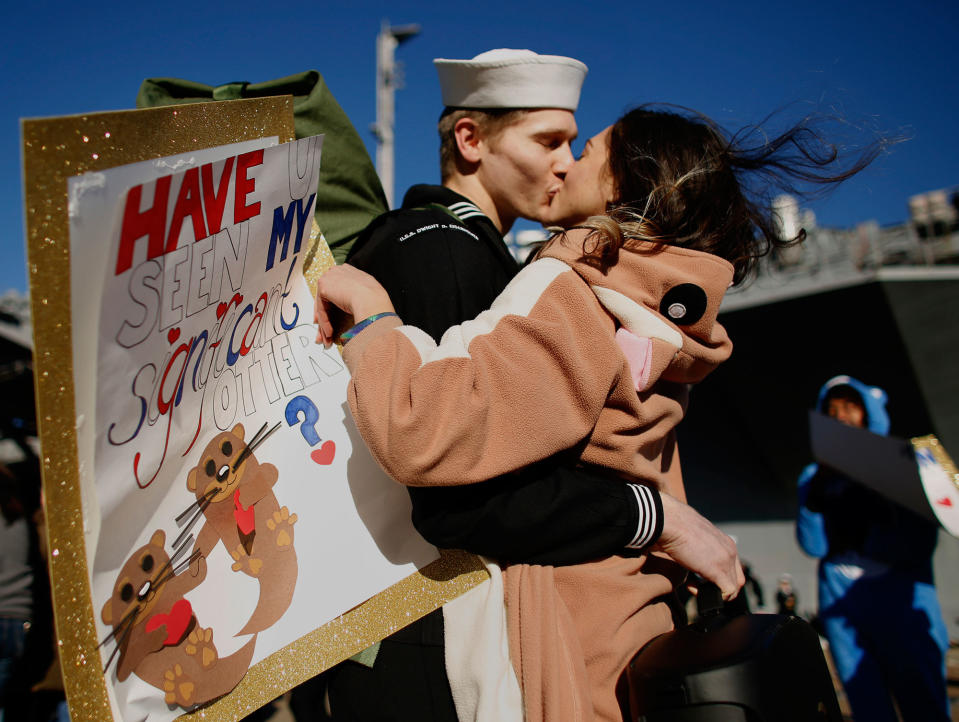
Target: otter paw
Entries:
(239, 556)
(282, 523)
(200, 645)
(178, 688)
(244, 562)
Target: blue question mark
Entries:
(302, 405)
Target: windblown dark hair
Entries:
(679, 180)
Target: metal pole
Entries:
(387, 81)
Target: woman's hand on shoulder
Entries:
(352, 291)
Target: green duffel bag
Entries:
(349, 194)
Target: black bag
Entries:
(733, 668)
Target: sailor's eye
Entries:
(684, 304)
(147, 563)
(126, 592)
(227, 448)
(210, 468)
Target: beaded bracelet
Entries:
(350, 333)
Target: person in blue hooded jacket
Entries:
(877, 599)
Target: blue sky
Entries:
(885, 67)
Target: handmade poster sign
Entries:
(236, 536)
(916, 473)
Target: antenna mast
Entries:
(388, 79)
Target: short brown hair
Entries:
(490, 122)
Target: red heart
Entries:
(245, 518)
(237, 298)
(945, 501)
(177, 622)
(324, 455)
(172, 335)
(220, 310)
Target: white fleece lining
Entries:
(636, 318)
(422, 341)
(517, 299)
(482, 679)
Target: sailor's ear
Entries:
(238, 431)
(158, 538)
(191, 479)
(469, 139)
(107, 613)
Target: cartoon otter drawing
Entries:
(157, 634)
(235, 492)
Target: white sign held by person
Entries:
(229, 505)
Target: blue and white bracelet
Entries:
(351, 332)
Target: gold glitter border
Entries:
(53, 150)
(939, 452)
(445, 579)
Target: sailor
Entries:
(505, 135)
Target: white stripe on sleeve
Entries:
(647, 516)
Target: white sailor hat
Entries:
(507, 78)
